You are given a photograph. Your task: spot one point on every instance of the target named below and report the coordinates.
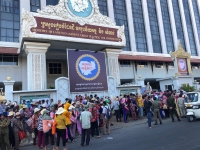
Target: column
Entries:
(194, 27)
(198, 3)
(130, 25)
(36, 65)
(147, 26)
(43, 3)
(9, 89)
(110, 10)
(173, 25)
(161, 28)
(113, 63)
(187, 44)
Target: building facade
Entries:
(153, 29)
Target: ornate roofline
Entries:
(61, 11)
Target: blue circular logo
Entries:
(87, 67)
(80, 8)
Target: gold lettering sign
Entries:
(70, 29)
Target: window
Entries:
(167, 26)
(170, 65)
(55, 68)
(159, 65)
(8, 60)
(189, 28)
(121, 19)
(138, 21)
(125, 63)
(196, 15)
(51, 2)
(35, 5)
(178, 23)
(156, 42)
(195, 66)
(103, 7)
(142, 64)
(10, 20)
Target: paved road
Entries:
(169, 136)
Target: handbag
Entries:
(22, 135)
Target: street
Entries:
(168, 136)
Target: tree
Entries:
(188, 88)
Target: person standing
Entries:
(40, 131)
(85, 120)
(34, 124)
(17, 126)
(172, 107)
(116, 105)
(4, 132)
(141, 106)
(147, 106)
(181, 105)
(61, 123)
(156, 110)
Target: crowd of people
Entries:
(46, 122)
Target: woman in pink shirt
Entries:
(47, 126)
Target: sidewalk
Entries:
(116, 125)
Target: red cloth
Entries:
(94, 112)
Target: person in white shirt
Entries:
(116, 106)
(85, 120)
(106, 121)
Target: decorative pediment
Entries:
(180, 53)
(61, 10)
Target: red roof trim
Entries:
(151, 58)
(8, 50)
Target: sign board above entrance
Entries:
(65, 28)
(73, 20)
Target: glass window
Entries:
(8, 60)
(9, 21)
(103, 7)
(154, 26)
(142, 64)
(51, 2)
(121, 19)
(166, 25)
(189, 28)
(125, 63)
(196, 15)
(170, 65)
(55, 68)
(159, 64)
(178, 23)
(195, 66)
(35, 5)
(139, 27)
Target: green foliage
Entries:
(188, 88)
(51, 87)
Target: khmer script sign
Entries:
(87, 71)
(71, 29)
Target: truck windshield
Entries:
(192, 97)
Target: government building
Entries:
(149, 31)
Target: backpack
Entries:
(108, 113)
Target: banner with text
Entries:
(87, 71)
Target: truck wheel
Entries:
(190, 118)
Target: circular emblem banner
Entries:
(88, 67)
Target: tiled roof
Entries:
(8, 50)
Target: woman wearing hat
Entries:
(10, 127)
(40, 131)
(34, 124)
(17, 126)
(4, 132)
(61, 123)
(47, 125)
